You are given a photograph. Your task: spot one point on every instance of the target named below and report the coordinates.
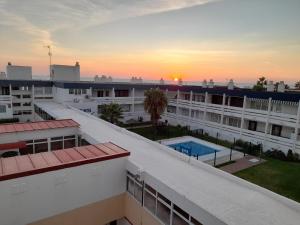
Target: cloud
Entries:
(37, 21)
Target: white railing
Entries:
(5, 98)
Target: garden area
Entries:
(279, 176)
(279, 173)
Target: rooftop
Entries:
(226, 197)
(21, 166)
(39, 125)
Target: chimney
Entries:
(161, 81)
(204, 83)
(281, 87)
(230, 85)
(211, 83)
(270, 86)
(180, 82)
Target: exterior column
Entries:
(223, 106)
(191, 102)
(267, 121)
(205, 106)
(32, 101)
(177, 103)
(297, 127)
(113, 94)
(243, 116)
(133, 96)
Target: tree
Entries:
(112, 112)
(297, 85)
(155, 103)
(260, 84)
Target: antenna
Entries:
(50, 57)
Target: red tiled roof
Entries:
(40, 125)
(26, 165)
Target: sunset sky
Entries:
(194, 39)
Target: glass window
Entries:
(27, 150)
(55, 145)
(163, 212)
(71, 91)
(138, 192)
(177, 220)
(150, 202)
(2, 109)
(150, 189)
(56, 138)
(167, 201)
(181, 211)
(69, 137)
(195, 222)
(43, 147)
(130, 185)
(26, 96)
(69, 143)
(84, 91)
(40, 140)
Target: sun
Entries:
(176, 79)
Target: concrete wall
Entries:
(65, 73)
(33, 198)
(19, 72)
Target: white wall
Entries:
(28, 199)
(65, 73)
(19, 72)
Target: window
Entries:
(163, 212)
(150, 202)
(42, 147)
(181, 211)
(16, 104)
(195, 222)
(252, 125)
(27, 104)
(177, 220)
(26, 96)
(122, 93)
(276, 130)
(2, 108)
(130, 185)
(55, 145)
(138, 191)
(69, 143)
(71, 91)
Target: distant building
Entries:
(65, 72)
(18, 72)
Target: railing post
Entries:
(215, 158)
(297, 128)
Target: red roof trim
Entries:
(39, 125)
(14, 145)
(26, 165)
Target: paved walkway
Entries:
(243, 163)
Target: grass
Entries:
(278, 176)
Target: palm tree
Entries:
(111, 112)
(155, 103)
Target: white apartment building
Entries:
(230, 113)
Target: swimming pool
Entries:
(192, 148)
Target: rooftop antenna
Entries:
(50, 57)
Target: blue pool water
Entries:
(192, 148)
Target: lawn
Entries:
(278, 176)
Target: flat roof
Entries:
(228, 198)
(39, 125)
(26, 165)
